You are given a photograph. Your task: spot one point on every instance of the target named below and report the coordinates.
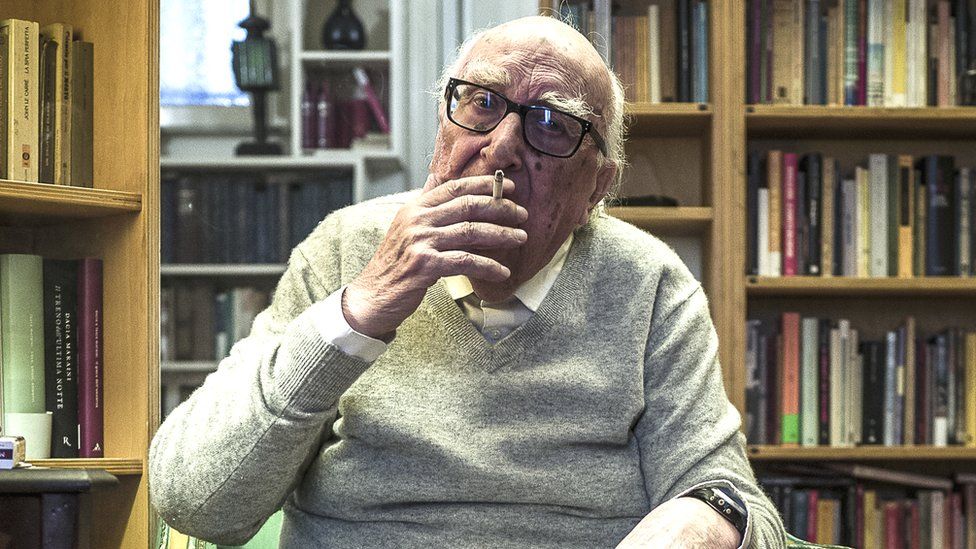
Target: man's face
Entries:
(557, 192)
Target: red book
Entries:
(813, 498)
(914, 524)
(90, 380)
(789, 214)
(894, 537)
(859, 523)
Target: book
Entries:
(81, 164)
(22, 333)
(906, 216)
(20, 90)
(56, 40)
(61, 354)
(809, 384)
(774, 178)
(790, 225)
(790, 388)
(827, 216)
(90, 353)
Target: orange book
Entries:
(790, 387)
(906, 216)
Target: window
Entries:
(194, 52)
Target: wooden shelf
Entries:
(880, 453)
(116, 466)
(345, 158)
(847, 286)
(188, 366)
(346, 57)
(666, 220)
(668, 119)
(24, 203)
(816, 121)
(228, 270)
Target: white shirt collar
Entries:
(532, 291)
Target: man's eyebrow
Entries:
(487, 74)
(575, 106)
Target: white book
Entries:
(963, 189)
(878, 167)
(809, 381)
(654, 52)
(22, 154)
(863, 222)
(762, 231)
(852, 382)
(888, 31)
(838, 349)
(919, 39)
(849, 227)
(876, 53)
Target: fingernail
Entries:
(521, 235)
(522, 212)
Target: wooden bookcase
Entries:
(118, 220)
(716, 137)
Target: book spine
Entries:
(874, 379)
(911, 369)
(684, 49)
(827, 193)
(81, 168)
(61, 354)
(919, 236)
(752, 214)
(90, 348)
(754, 387)
(789, 214)
(762, 231)
(889, 418)
(963, 222)
(876, 53)
(848, 236)
(878, 251)
(824, 386)
(5, 94)
(782, 50)
(813, 215)
(898, 54)
(906, 216)
(862, 52)
(940, 392)
(940, 240)
(22, 335)
(22, 125)
(700, 59)
(863, 209)
(774, 179)
(755, 52)
(790, 399)
(654, 53)
(944, 59)
(813, 68)
(809, 385)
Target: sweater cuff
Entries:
(317, 372)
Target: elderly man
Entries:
(447, 369)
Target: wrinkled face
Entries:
(530, 61)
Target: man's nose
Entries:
(506, 144)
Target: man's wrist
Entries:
(725, 503)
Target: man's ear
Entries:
(604, 179)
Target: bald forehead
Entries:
(542, 56)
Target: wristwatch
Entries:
(725, 502)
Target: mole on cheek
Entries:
(538, 166)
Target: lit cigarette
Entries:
(496, 189)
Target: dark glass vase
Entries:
(343, 30)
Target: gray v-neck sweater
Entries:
(606, 403)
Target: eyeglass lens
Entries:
(548, 130)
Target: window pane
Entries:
(194, 52)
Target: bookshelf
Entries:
(118, 221)
(718, 136)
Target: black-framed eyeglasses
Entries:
(550, 131)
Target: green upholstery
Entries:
(267, 538)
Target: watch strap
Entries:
(727, 505)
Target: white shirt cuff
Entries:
(335, 329)
(747, 536)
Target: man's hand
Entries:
(435, 236)
(683, 523)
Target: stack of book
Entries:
(45, 104)
(890, 53)
(898, 216)
(243, 218)
(51, 340)
(201, 321)
(661, 53)
(863, 506)
(815, 381)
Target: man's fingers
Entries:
(435, 194)
(457, 262)
(476, 235)
(475, 207)
(432, 181)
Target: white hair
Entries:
(613, 112)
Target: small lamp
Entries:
(255, 63)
